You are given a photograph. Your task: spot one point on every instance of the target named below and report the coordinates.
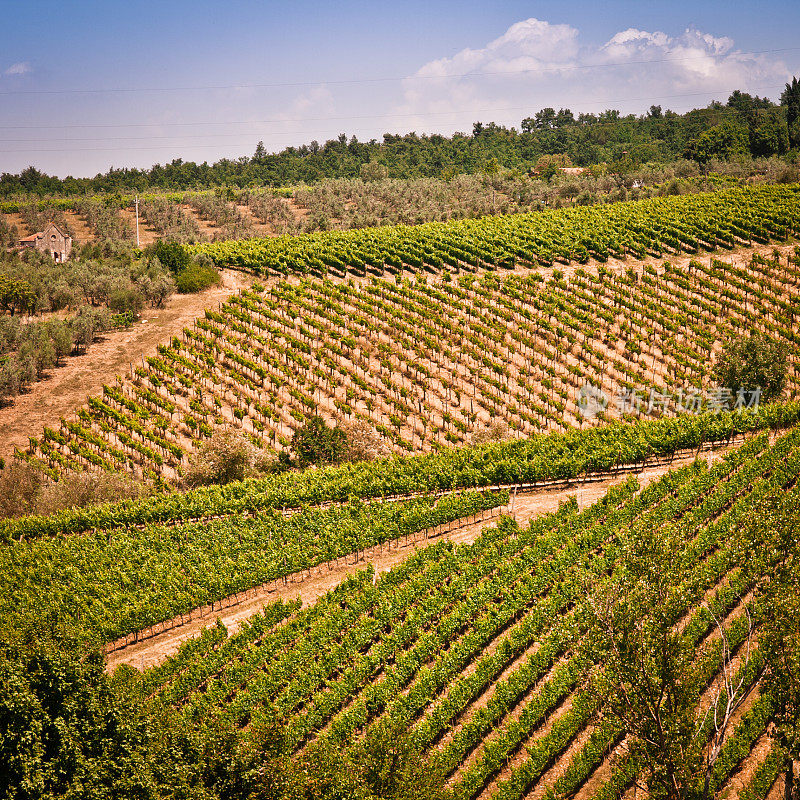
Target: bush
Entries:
(317, 443)
(24, 490)
(362, 441)
(80, 489)
(125, 298)
(496, 431)
(195, 278)
(172, 255)
(757, 360)
(20, 487)
(229, 456)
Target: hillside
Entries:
(343, 204)
(66, 387)
(429, 359)
(471, 617)
(476, 650)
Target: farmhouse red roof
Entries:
(31, 238)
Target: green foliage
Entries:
(556, 456)
(228, 456)
(170, 254)
(648, 671)
(16, 295)
(754, 360)
(318, 443)
(384, 765)
(769, 134)
(565, 235)
(196, 277)
(112, 584)
(373, 171)
(67, 730)
(790, 98)
(725, 141)
(777, 539)
(28, 351)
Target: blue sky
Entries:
(210, 79)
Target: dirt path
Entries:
(525, 507)
(67, 388)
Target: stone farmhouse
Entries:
(51, 240)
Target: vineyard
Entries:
(232, 214)
(484, 657)
(476, 651)
(431, 362)
(115, 582)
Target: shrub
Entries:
(362, 441)
(753, 361)
(24, 489)
(125, 298)
(20, 487)
(172, 255)
(195, 278)
(229, 456)
(79, 489)
(317, 443)
(497, 431)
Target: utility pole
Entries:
(136, 201)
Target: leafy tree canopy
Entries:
(752, 361)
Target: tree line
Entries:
(746, 125)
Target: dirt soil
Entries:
(523, 508)
(17, 221)
(147, 235)
(79, 227)
(67, 387)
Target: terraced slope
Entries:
(668, 225)
(476, 650)
(429, 363)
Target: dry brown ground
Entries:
(67, 387)
(79, 227)
(17, 221)
(147, 235)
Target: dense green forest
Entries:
(744, 126)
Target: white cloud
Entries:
(20, 68)
(535, 64)
(316, 99)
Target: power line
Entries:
(292, 136)
(280, 120)
(351, 81)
